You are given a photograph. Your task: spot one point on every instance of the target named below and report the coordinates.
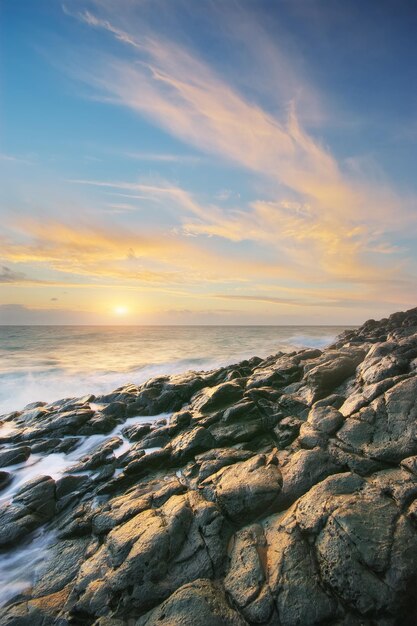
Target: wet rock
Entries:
(5, 479)
(148, 462)
(226, 434)
(69, 484)
(41, 422)
(99, 456)
(136, 432)
(14, 456)
(286, 431)
(38, 495)
(32, 506)
(52, 445)
(61, 568)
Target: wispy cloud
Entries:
(10, 276)
(15, 159)
(188, 159)
(324, 218)
(110, 251)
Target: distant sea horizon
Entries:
(45, 362)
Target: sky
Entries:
(207, 162)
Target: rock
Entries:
(14, 456)
(32, 506)
(136, 432)
(5, 479)
(353, 554)
(246, 581)
(293, 578)
(191, 443)
(304, 469)
(284, 493)
(245, 489)
(218, 397)
(332, 369)
(210, 462)
(280, 372)
(150, 556)
(200, 603)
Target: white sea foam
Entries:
(18, 567)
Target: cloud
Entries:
(9, 276)
(99, 252)
(346, 251)
(164, 158)
(14, 159)
(322, 300)
(21, 315)
(323, 219)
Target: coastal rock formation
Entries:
(271, 492)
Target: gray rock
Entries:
(33, 505)
(200, 603)
(246, 489)
(14, 456)
(191, 443)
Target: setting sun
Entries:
(121, 310)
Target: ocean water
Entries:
(52, 362)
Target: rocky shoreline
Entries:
(278, 492)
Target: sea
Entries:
(46, 363)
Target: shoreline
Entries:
(221, 494)
(49, 364)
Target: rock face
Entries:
(277, 492)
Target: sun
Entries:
(121, 310)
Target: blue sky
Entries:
(172, 161)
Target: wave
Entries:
(19, 389)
